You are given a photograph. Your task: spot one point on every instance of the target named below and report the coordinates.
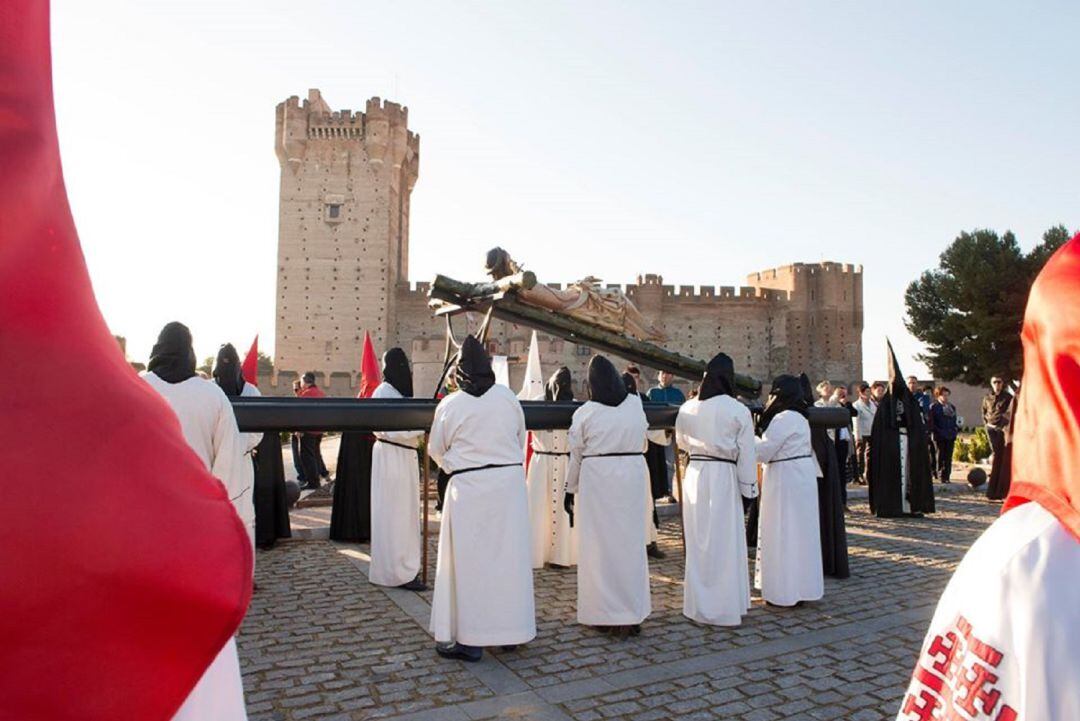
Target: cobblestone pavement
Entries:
(320, 642)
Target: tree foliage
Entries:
(265, 363)
(969, 310)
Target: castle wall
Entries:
(346, 182)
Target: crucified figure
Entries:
(586, 300)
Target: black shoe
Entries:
(414, 585)
(461, 652)
(653, 551)
(635, 630)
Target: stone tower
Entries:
(343, 230)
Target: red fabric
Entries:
(123, 567)
(250, 367)
(311, 392)
(1046, 430)
(370, 375)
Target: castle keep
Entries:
(343, 260)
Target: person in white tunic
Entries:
(395, 489)
(554, 540)
(1004, 643)
(718, 433)
(483, 577)
(229, 378)
(606, 489)
(209, 427)
(788, 568)
(660, 438)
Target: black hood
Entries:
(474, 374)
(786, 395)
(560, 386)
(719, 379)
(631, 384)
(173, 357)
(396, 371)
(227, 371)
(605, 384)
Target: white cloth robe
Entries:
(611, 492)
(483, 577)
(1004, 643)
(717, 584)
(788, 567)
(554, 540)
(395, 503)
(209, 427)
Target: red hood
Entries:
(123, 567)
(1046, 430)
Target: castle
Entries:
(343, 268)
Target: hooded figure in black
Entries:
(396, 371)
(172, 358)
(270, 500)
(719, 378)
(834, 551)
(560, 386)
(786, 394)
(898, 423)
(474, 374)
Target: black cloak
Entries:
(172, 358)
(786, 394)
(396, 371)
(719, 379)
(474, 374)
(897, 410)
(605, 384)
(630, 384)
(227, 371)
(270, 500)
(831, 523)
(560, 386)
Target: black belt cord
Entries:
(715, 459)
(399, 445)
(480, 468)
(789, 458)
(615, 454)
(550, 453)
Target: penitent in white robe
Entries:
(717, 584)
(554, 540)
(483, 577)
(209, 427)
(788, 568)
(613, 570)
(1004, 643)
(395, 503)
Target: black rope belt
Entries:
(714, 459)
(615, 454)
(550, 453)
(399, 445)
(480, 468)
(789, 458)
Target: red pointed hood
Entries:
(124, 567)
(250, 367)
(1046, 429)
(370, 376)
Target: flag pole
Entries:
(425, 496)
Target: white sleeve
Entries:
(438, 441)
(746, 467)
(576, 444)
(681, 439)
(772, 439)
(230, 465)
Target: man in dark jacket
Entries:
(995, 413)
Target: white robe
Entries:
(553, 539)
(717, 584)
(1004, 643)
(395, 503)
(483, 577)
(613, 570)
(209, 427)
(788, 568)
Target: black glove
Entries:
(568, 506)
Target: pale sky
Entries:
(701, 141)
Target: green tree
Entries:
(207, 366)
(969, 310)
(265, 363)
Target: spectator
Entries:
(665, 392)
(995, 413)
(843, 440)
(865, 407)
(943, 429)
(928, 393)
(309, 442)
(294, 441)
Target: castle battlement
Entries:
(669, 293)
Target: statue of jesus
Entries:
(586, 300)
